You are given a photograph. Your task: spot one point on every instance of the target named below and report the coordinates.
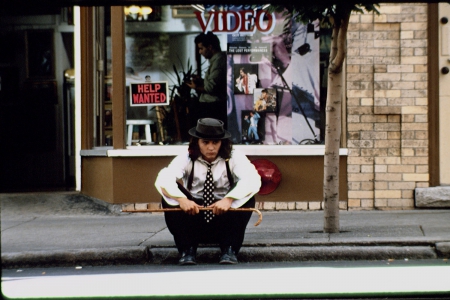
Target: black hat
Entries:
(209, 129)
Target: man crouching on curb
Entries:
(213, 175)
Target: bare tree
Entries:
(336, 17)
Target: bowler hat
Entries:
(209, 129)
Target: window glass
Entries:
(266, 80)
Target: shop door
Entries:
(31, 106)
(29, 152)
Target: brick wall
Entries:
(387, 121)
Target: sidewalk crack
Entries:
(3, 230)
(140, 244)
(421, 229)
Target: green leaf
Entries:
(176, 73)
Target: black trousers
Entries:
(225, 230)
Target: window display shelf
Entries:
(266, 150)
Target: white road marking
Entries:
(238, 282)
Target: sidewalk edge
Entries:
(169, 255)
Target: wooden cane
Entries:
(201, 208)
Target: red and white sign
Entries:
(243, 21)
(149, 93)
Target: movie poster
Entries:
(275, 75)
(253, 127)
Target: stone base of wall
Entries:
(307, 206)
(262, 206)
(433, 197)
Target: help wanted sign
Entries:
(149, 93)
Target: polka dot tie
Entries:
(208, 196)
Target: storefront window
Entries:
(273, 91)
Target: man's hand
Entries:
(188, 206)
(196, 83)
(221, 206)
(191, 84)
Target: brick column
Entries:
(387, 107)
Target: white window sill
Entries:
(252, 150)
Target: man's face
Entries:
(264, 95)
(206, 52)
(209, 149)
(242, 73)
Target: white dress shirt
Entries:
(246, 178)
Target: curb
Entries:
(286, 254)
(82, 257)
(166, 255)
(443, 249)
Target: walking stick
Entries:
(201, 208)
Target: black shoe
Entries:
(188, 257)
(228, 257)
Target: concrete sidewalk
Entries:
(69, 229)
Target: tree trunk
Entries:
(331, 158)
(333, 125)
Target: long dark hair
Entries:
(225, 148)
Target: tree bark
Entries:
(333, 126)
(331, 158)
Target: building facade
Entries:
(397, 105)
(393, 118)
